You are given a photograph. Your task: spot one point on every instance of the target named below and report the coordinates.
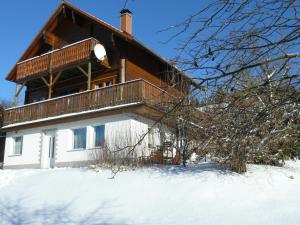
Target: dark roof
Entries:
(125, 11)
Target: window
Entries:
(79, 138)
(97, 86)
(37, 99)
(103, 83)
(18, 144)
(109, 83)
(99, 135)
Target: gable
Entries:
(66, 25)
(69, 24)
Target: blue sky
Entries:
(20, 21)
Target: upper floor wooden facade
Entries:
(60, 62)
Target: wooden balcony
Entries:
(137, 91)
(55, 60)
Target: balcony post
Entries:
(89, 75)
(122, 70)
(50, 86)
(16, 96)
(17, 93)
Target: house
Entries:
(87, 85)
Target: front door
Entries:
(48, 154)
(51, 150)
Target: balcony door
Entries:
(48, 150)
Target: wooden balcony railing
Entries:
(137, 91)
(54, 60)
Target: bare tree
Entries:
(245, 55)
(4, 103)
(116, 152)
(256, 125)
(227, 37)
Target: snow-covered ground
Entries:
(202, 195)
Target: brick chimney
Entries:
(126, 21)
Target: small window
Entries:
(18, 145)
(79, 138)
(103, 84)
(38, 99)
(109, 83)
(99, 135)
(97, 86)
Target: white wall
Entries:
(118, 128)
(31, 148)
(138, 131)
(141, 123)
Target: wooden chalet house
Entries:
(76, 102)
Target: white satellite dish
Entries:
(100, 52)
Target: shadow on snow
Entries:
(15, 212)
(194, 169)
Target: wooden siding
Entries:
(72, 54)
(138, 91)
(34, 66)
(133, 72)
(56, 59)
